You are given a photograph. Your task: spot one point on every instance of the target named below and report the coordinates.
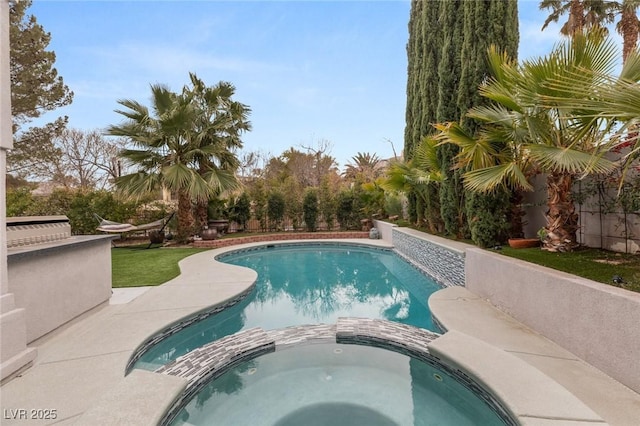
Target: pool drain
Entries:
(337, 351)
(252, 371)
(437, 377)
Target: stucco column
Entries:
(14, 354)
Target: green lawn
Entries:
(595, 264)
(136, 266)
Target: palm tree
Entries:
(526, 132)
(217, 134)
(628, 25)
(365, 165)
(174, 148)
(419, 176)
(582, 14)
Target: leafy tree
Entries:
(87, 160)
(177, 147)
(36, 88)
(310, 209)
(308, 168)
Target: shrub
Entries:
(310, 209)
(347, 210)
(275, 210)
(19, 201)
(241, 210)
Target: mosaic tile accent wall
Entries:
(444, 265)
(212, 360)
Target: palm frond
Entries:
(490, 178)
(563, 159)
(138, 184)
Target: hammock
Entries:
(118, 228)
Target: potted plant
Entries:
(528, 242)
(216, 212)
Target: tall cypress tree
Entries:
(486, 23)
(448, 42)
(423, 50)
(449, 73)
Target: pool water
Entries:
(310, 284)
(335, 384)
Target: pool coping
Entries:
(80, 369)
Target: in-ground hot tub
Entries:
(357, 372)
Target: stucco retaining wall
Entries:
(596, 322)
(56, 282)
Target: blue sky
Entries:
(309, 70)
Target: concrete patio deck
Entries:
(85, 360)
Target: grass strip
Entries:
(135, 266)
(594, 264)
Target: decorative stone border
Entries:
(212, 360)
(258, 238)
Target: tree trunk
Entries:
(629, 28)
(201, 219)
(576, 17)
(185, 217)
(562, 220)
(515, 214)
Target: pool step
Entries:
(458, 309)
(529, 395)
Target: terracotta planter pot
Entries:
(524, 242)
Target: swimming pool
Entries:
(310, 284)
